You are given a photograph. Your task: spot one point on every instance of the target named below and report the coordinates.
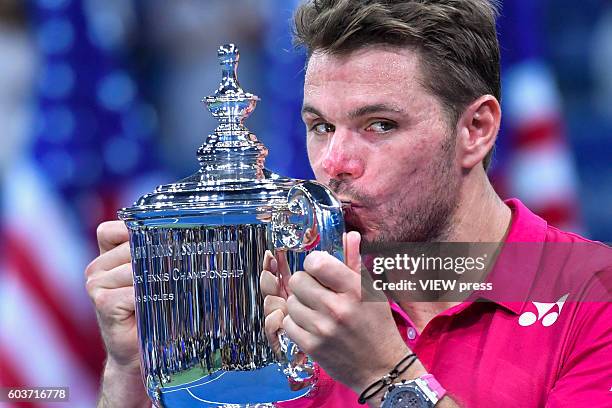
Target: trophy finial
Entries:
(230, 104)
(229, 55)
(231, 148)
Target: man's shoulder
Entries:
(554, 234)
(582, 252)
(582, 265)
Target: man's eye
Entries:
(381, 126)
(323, 128)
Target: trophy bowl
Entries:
(197, 249)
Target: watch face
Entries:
(404, 397)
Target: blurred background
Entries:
(100, 102)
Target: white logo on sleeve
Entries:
(529, 318)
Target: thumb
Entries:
(352, 255)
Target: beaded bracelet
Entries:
(387, 379)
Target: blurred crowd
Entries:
(100, 102)
(165, 57)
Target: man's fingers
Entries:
(268, 283)
(300, 336)
(111, 259)
(111, 234)
(352, 255)
(118, 277)
(114, 304)
(283, 271)
(277, 266)
(329, 271)
(272, 303)
(307, 318)
(311, 292)
(272, 325)
(267, 261)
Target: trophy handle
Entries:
(316, 223)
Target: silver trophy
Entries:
(197, 250)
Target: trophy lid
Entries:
(231, 177)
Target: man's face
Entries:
(379, 139)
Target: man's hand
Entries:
(110, 287)
(274, 284)
(321, 310)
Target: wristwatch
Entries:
(422, 392)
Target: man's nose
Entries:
(342, 159)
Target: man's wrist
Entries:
(382, 362)
(122, 386)
(416, 370)
(389, 361)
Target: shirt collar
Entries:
(517, 265)
(525, 226)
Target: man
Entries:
(401, 110)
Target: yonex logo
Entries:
(529, 318)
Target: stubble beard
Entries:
(426, 219)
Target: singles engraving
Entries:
(158, 297)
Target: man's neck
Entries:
(481, 216)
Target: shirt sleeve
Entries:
(585, 376)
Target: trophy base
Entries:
(254, 388)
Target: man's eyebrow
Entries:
(361, 111)
(375, 108)
(311, 109)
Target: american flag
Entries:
(90, 144)
(534, 162)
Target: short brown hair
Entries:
(456, 39)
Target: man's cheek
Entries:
(316, 154)
(321, 176)
(317, 168)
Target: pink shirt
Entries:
(496, 354)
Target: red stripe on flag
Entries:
(10, 377)
(83, 341)
(536, 131)
(558, 214)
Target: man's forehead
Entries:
(372, 64)
(340, 84)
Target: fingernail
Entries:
(274, 265)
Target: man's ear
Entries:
(477, 130)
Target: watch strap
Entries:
(434, 385)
